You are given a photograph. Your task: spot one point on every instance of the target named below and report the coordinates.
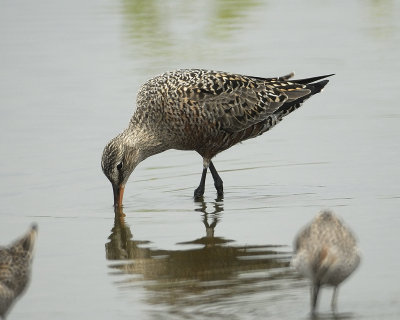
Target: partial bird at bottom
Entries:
(326, 252)
(15, 269)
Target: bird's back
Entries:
(209, 111)
(326, 250)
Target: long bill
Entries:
(118, 195)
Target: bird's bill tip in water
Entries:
(118, 195)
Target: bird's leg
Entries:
(314, 297)
(218, 183)
(198, 193)
(334, 299)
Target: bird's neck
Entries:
(143, 141)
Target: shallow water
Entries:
(69, 76)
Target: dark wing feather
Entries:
(237, 102)
(220, 100)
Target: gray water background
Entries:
(69, 74)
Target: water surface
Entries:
(70, 74)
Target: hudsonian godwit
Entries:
(15, 269)
(201, 110)
(325, 252)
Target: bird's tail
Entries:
(312, 79)
(295, 102)
(26, 244)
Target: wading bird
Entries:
(326, 253)
(15, 269)
(201, 110)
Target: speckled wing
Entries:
(236, 102)
(5, 263)
(304, 234)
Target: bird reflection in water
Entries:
(120, 245)
(210, 268)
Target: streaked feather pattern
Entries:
(201, 107)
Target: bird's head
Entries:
(118, 161)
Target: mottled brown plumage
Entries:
(326, 253)
(15, 269)
(201, 110)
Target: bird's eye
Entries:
(119, 166)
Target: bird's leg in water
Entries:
(218, 183)
(198, 193)
(314, 296)
(334, 299)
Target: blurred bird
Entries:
(325, 252)
(201, 110)
(15, 269)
